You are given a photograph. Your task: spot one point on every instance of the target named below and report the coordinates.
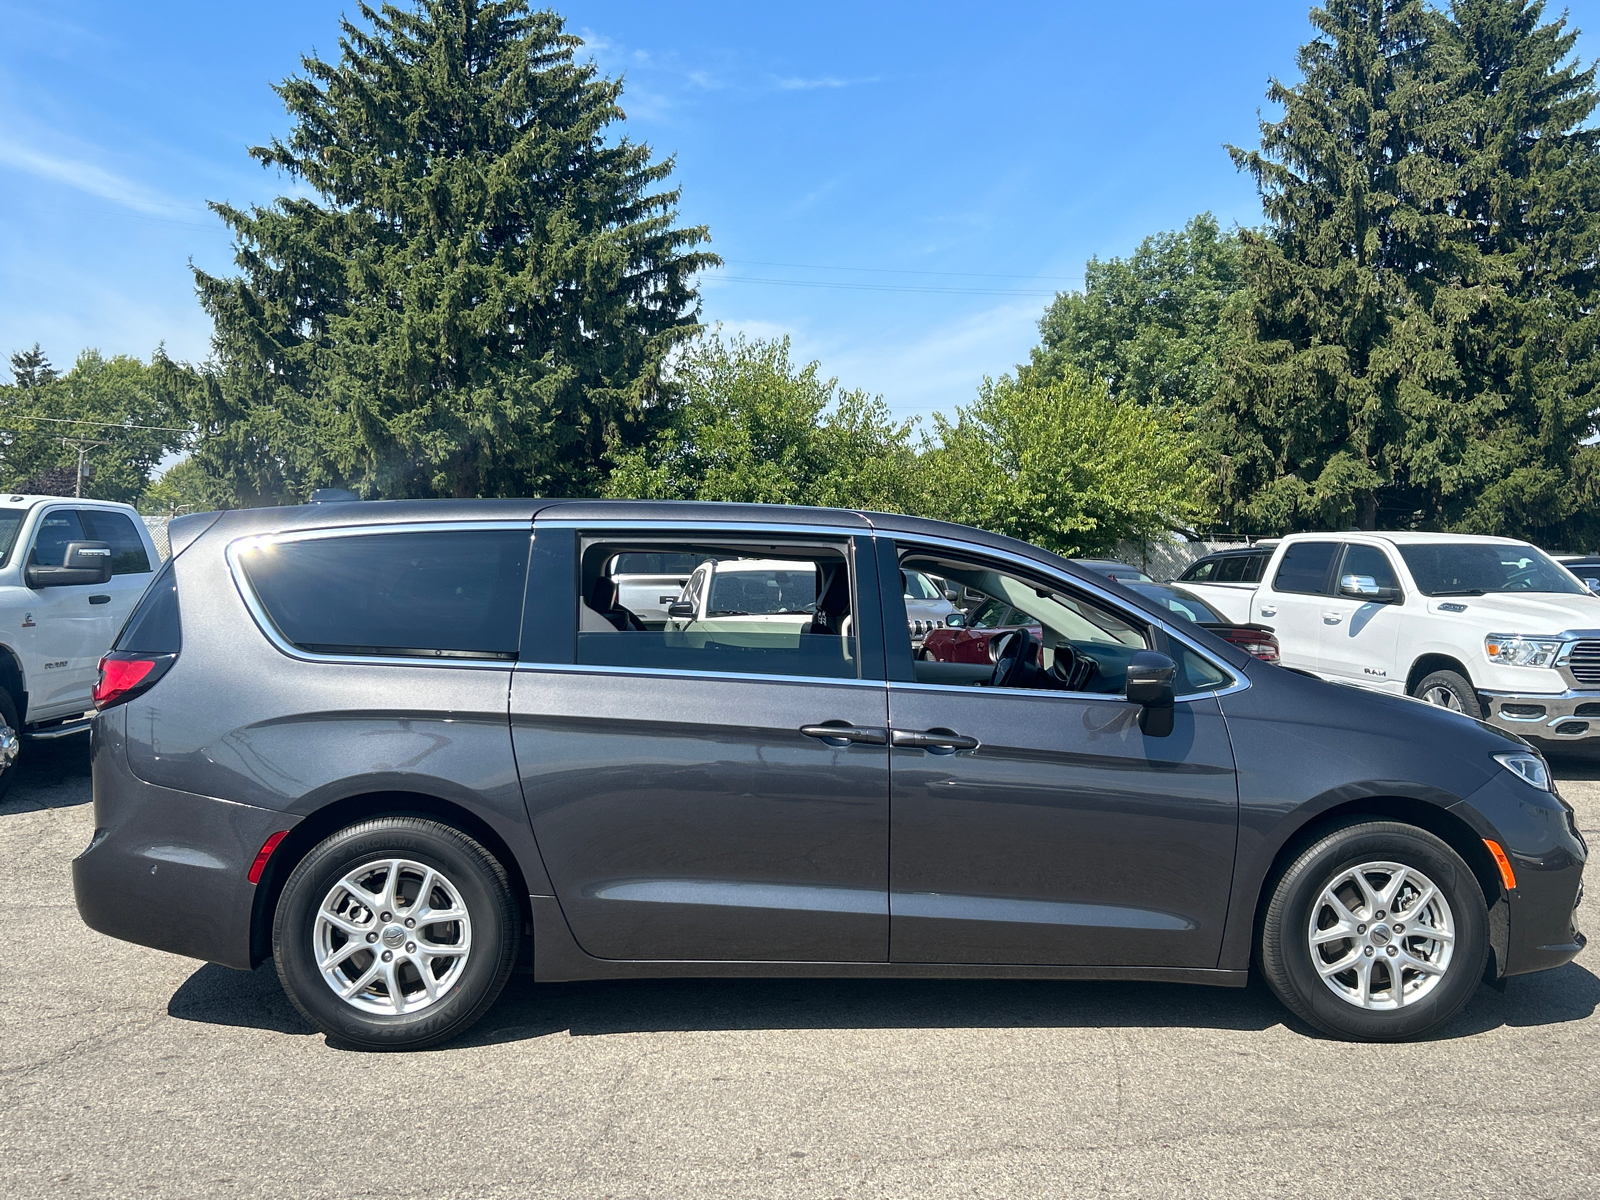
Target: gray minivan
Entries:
(400, 747)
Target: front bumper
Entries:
(1571, 716)
(168, 869)
(1539, 834)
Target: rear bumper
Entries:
(168, 869)
(1572, 716)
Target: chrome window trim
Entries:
(1240, 681)
(691, 674)
(694, 528)
(258, 613)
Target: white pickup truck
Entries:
(70, 572)
(1490, 627)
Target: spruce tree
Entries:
(476, 295)
(1357, 282)
(1530, 180)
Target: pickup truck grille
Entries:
(1584, 662)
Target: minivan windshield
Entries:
(1475, 568)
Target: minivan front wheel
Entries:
(396, 933)
(1378, 932)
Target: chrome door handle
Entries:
(842, 733)
(932, 739)
(1268, 610)
(1332, 618)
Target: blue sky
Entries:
(899, 187)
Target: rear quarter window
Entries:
(449, 594)
(1201, 572)
(155, 625)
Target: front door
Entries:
(717, 791)
(1359, 637)
(1034, 822)
(71, 625)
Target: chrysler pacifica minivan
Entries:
(401, 747)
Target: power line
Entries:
(750, 262)
(8, 418)
(881, 287)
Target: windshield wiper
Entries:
(727, 612)
(1461, 592)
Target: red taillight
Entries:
(1252, 641)
(267, 847)
(124, 675)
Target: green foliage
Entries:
(755, 428)
(1149, 326)
(1417, 327)
(1064, 466)
(479, 294)
(47, 414)
(185, 487)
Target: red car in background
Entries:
(969, 642)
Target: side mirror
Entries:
(1593, 585)
(956, 620)
(681, 610)
(1150, 677)
(83, 563)
(1365, 587)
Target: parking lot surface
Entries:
(125, 1071)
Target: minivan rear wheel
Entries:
(396, 933)
(1377, 933)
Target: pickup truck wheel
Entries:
(10, 741)
(1449, 689)
(396, 933)
(1377, 933)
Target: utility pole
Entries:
(82, 448)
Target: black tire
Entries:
(11, 733)
(484, 890)
(1453, 683)
(1287, 955)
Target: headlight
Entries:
(1529, 766)
(1514, 650)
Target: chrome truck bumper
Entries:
(1571, 716)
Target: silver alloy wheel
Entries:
(10, 745)
(1444, 697)
(392, 936)
(1381, 935)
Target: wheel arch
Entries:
(13, 679)
(1427, 664)
(1435, 819)
(350, 810)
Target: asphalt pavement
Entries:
(128, 1072)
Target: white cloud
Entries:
(794, 84)
(85, 177)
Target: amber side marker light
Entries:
(271, 844)
(1504, 863)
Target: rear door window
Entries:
(1304, 568)
(780, 609)
(1201, 572)
(128, 556)
(1258, 564)
(445, 594)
